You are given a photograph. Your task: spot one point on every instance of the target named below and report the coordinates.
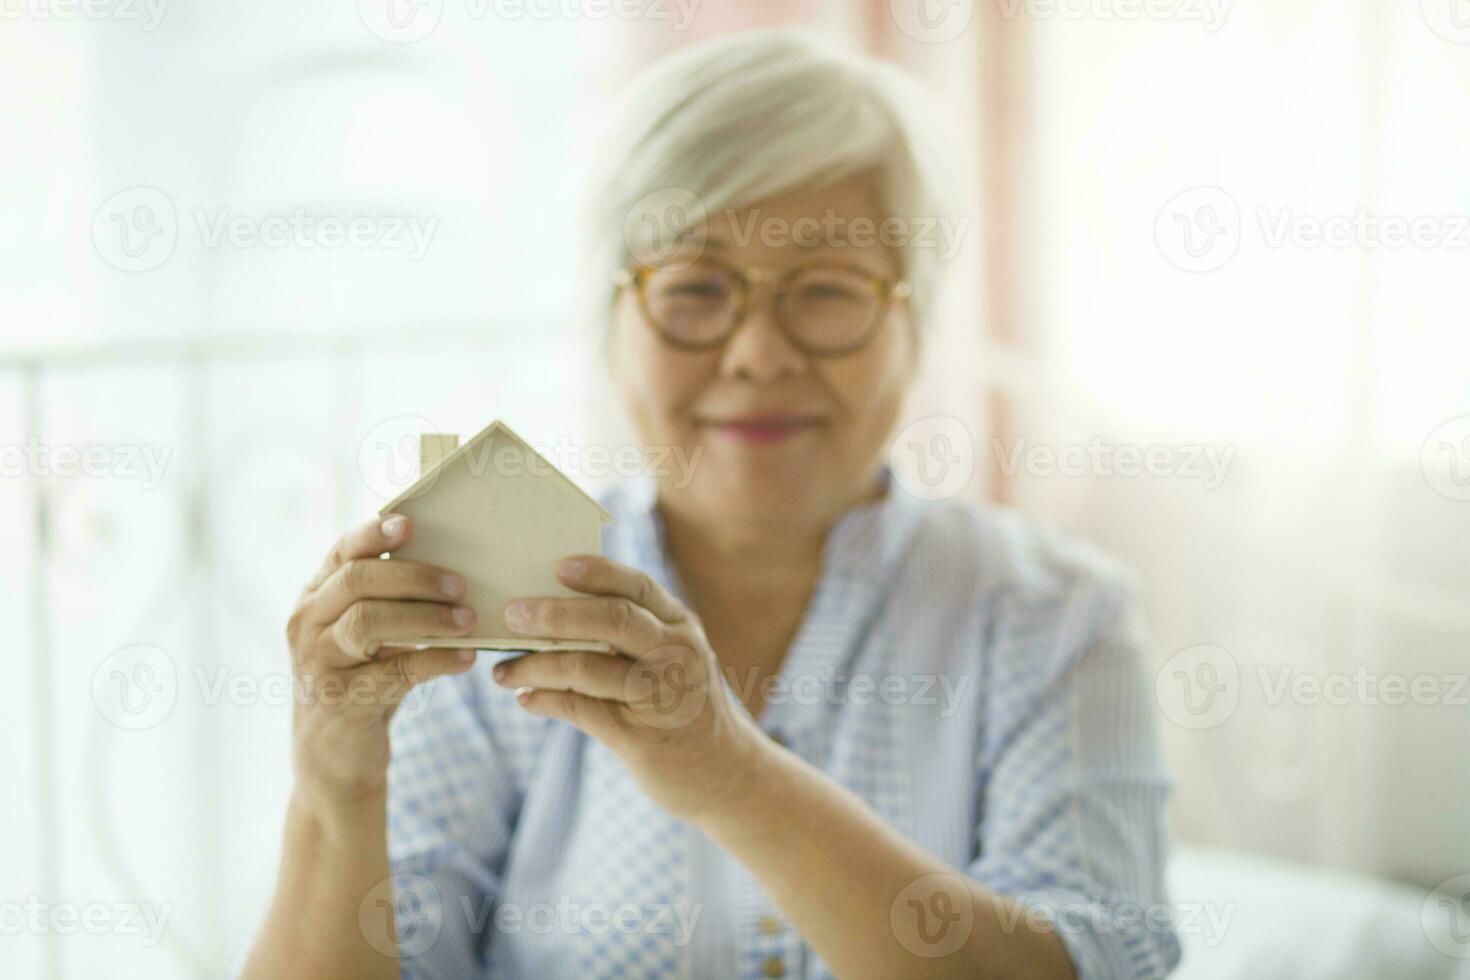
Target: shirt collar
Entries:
(867, 540)
(863, 544)
(861, 558)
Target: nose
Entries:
(758, 350)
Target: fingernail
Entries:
(500, 671)
(466, 655)
(518, 614)
(463, 615)
(451, 584)
(522, 693)
(571, 567)
(393, 526)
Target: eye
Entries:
(692, 285)
(704, 289)
(827, 291)
(830, 290)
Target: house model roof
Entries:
(422, 485)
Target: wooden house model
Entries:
(497, 512)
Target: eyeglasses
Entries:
(826, 309)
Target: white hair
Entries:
(741, 118)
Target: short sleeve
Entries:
(1072, 821)
(453, 797)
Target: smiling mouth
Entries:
(763, 429)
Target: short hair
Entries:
(752, 115)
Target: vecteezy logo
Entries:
(135, 230)
(388, 456)
(1445, 916)
(666, 228)
(1445, 459)
(933, 916)
(661, 690)
(1294, 754)
(136, 687)
(402, 915)
(932, 21)
(400, 21)
(1198, 687)
(415, 701)
(1199, 229)
(933, 458)
(1450, 19)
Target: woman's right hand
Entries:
(348, 683)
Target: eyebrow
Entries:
(715, 241)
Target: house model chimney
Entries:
(433, 447)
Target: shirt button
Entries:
(773, 967)
(770, 925)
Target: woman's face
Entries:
(775, 436)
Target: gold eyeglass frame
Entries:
(886, 291)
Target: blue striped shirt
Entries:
(979, 683)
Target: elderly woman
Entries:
(841, 731)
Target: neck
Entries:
(710, 553)
(723, 558)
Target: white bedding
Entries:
(1245, 916)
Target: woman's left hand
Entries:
(658, 701)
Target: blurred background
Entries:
(1211, 310)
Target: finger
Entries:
(399, 674)
(603, 720)
(603, 576)
(614, 620)
(367, 624)
(364, 541)
(597, 675)
(377, 578)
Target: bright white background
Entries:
(275, 379)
